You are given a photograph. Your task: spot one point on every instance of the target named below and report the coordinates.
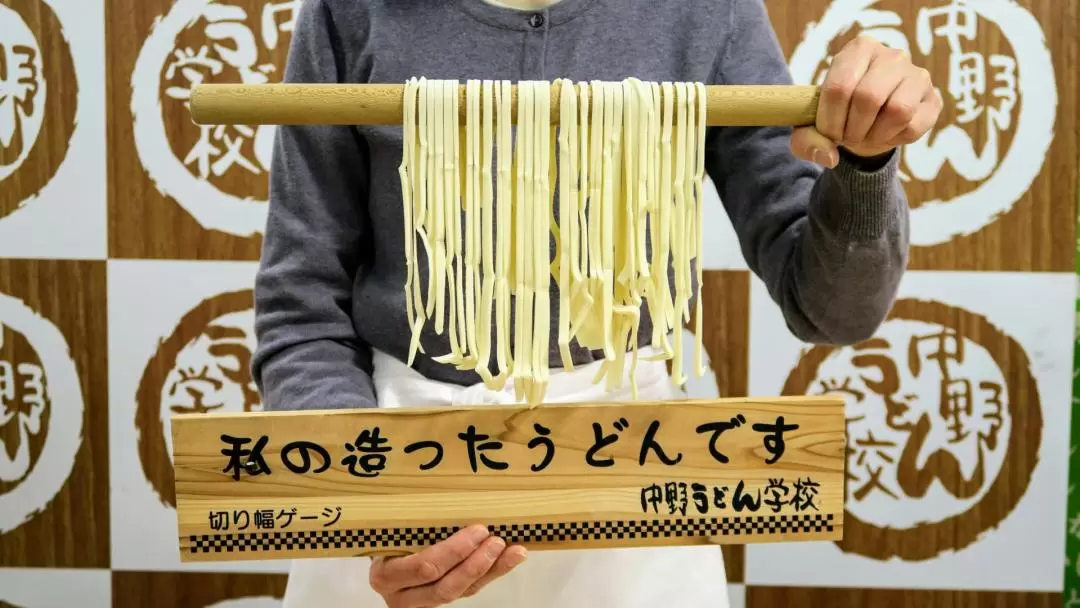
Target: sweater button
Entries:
(536, 20)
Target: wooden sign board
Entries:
(286, 485)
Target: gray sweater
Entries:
(831, 245)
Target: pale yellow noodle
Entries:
(428, 171)
(419, 181)
(590, 328)
(688, 208)
(625, 315)
(642, 129)
(664, 308)
(583, 159)
(523, 280)
(449, 207)
(627, 221)
(504, 253)
(655, 292)
(472, 216)
(541, 232)
(456, 209)
(581, 294)
(438, 227)
(405, 171)
(699, 184)
(487, 255)
(504, 216)
(678, 227)
(452, 207)
(567, 217)
(607, 251)
(630, 175)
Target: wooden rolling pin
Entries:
(383, 104)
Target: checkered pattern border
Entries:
(512, 533)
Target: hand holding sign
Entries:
(457, 567)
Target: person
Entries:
(819, 211)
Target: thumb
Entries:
(808, 144)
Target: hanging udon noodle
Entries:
(627, 162)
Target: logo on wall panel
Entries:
(203, 366)
(41, 413)
(942, 440)
(990, 62)
(37, 100)
(215, 172)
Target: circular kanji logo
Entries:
(992, 67)
(38, 89)
(41, 413)
(203, 366)
(218, 173)
(943, 427)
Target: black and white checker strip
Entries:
(511, 533)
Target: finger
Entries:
(872, 94)
(847, 69)
(510, 559)
(901, 106)
(809, 144)
(428, 565)
(451, 586)
(926, 116)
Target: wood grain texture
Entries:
(191, 589)
(605, 464)
(73, 528)
(57, 109)
(145, 221)
(383, 104)
(771, 597)
(1037, 233)
(726, 324)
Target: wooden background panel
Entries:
(72, 527)
(186, 191)
(28, 162)
(771, 597)
(192, 589)
(1036, 232)
(726, 328)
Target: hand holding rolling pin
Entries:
(873, 99)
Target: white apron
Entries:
(680, 577)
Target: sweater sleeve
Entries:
(830, 245)
(308, 355)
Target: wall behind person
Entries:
(127, 299)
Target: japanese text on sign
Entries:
(367, 455)
(681, 498)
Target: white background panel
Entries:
(1024, 551)
(67, 218)
(147, 301)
